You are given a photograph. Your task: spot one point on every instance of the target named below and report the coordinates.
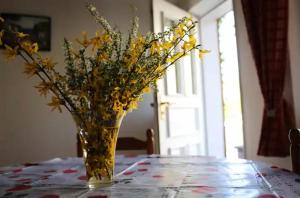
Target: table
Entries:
(152, 176)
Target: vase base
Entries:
(94, 183)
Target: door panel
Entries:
(179, 99)
(181, 126)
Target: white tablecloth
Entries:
(152, 176)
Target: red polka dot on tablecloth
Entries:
(17, 170)
(19, 188)
(128, 173)
(83, 177)
(68, 171)
(203, 177)
(49, 196)
(98, 196)
(24, 180)
(204, 189)
(144, 163)
(13, 176)
(45, 177)
(50, 171)
(157, 176)
(269, 196)
(212, 169)
(142, 169)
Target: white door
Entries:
(180, 95)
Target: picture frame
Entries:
(37, 27)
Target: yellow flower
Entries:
(55, 104)
(30, 69)
(202, 52)
(188, 21)
(159, 68)
(191, 43)
(179, 30)
(141, 40)
(167, 45)
(115, 94)
(21, 35)
(29, 47)
(10, 53)
(34, 48)
(1, 35)
(106, 38)
(103, 57)
(133, 104)
(133, 81)
(96, 41)
(186, 46)
(117, 105)
(192, 40)
(155, 47)
(47, 63)
(175, 57)
(85, 42)
(147, 90)
(43, 88)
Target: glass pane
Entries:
(188, 77)
(171, 81)
(171, 78)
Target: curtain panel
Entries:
(267, 28)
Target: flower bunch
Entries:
(107, 74)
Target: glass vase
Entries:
(98, 144)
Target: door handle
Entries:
(163, 109)
(164, 104)
(161, 104)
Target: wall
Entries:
(294, 27)
(29, 130)
(251, 95)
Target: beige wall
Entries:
(294, 35)
(251, 95)
(29, 131)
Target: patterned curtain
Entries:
(267, 27)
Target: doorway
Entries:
(198, 104)
(231, 96)
(224, 123)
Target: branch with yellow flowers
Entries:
(27, 50)
(104, 79)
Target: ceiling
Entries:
(197, 7)
(185, 4)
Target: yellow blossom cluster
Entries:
(104, 77)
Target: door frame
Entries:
(213, 99)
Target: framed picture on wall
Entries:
(38, 27)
